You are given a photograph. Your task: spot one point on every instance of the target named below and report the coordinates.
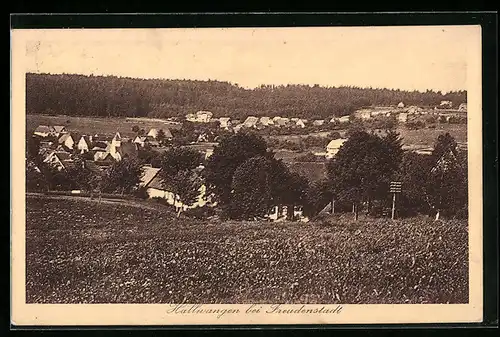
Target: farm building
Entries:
(155, 189)
(401, 105)
(140, 140)
(58, 129)
(318, 122)
(344, 119)
(117, 139)
(462, 107)
(334, 146)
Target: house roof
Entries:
(313, 171)
(251, 121)
(336, 143)
(148, 174)
(156, 183)
(64, 137)
(224, 119)
(43, 128)
(59, 128)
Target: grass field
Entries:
(78, 251)
(93, 125)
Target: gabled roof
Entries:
(64, 137)
(148, 174)
(43, 129)
(59, 128)
(250, 121)
(336, 143)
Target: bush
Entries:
(141, 193)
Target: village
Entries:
(59, 146)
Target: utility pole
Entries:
(395, 187)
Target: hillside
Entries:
(111, 96)
(116, 253)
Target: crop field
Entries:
(93, 125)
(79, 251)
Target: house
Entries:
(154, 188)
(318, 122)
(203, 116)
(413, 110)
(203, 137)
(250, 122)
(445, 105)
(294, 119)
(342, 119)
(67, 140)
(84, 144)
(117, 139)
(154, 133)
(281, 122)
(140, 140)
(107, 159)
(208, 153)
(238, 127)
(276, 119)
(225, 122)
(462, 107)
(58, 159)
(43, 131)
(363, 113)
(334, 146)
(266, 121)
(58, 129)
(300, 123)
(99, 154)
(403, 117)
(191, 117)
(401, 105)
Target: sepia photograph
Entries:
(247, 175)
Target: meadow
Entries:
(114, 252)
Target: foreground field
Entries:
(78, 251)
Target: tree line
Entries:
(111, 96)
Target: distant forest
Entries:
(111, 96)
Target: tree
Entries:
(79, 173)
(296, 187)
(251, 191)
(135, 129)
(447, 188)
(227, 157)
(362, 167)
(185, 185)
(178, 159)
(123, 176)
(161, 135)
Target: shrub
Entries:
(200, 212)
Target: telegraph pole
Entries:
(395, 187)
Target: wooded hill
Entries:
(111, 96)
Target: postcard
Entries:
(312, 175)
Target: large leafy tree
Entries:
(180, 175)
(362, 167)
(251, 195)
(123, 176)
(231, 152)
(178, 159)
(447, 186)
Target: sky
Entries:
(408, 58)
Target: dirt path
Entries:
(132, 203)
